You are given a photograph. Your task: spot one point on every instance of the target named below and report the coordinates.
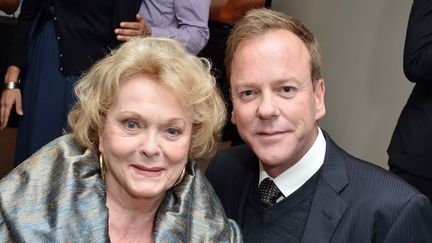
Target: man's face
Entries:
(275, 107)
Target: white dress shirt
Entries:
(294, 177)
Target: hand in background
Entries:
(10, 97)
(129, 30)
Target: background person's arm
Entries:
(418, 43)
(192, 31)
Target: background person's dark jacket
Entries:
(83, 38)
(411, 144)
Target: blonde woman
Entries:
(127, 173)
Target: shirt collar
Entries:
(294, 177)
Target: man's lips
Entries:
(270, 133)
(147, 171)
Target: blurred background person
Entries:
(223, 14)
(185, 21)
(410, 149)
(9, 6)
(231, 11)
(54, 43)
(127, 173)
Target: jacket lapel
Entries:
(328, 206)
(240, 198)
(246, 177)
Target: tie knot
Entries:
(268, 192)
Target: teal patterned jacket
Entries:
(57, 196)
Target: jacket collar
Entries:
(328, 206)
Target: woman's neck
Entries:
(131, 221)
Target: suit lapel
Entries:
(328, 206)
(242, 182)
(240, 197)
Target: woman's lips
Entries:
(150, 172)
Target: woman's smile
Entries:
(147, 171)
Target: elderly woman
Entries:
(127, 172)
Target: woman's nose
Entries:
(149, 145)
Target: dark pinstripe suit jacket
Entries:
(355, 201)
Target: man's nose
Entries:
(267, 108)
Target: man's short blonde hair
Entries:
(165, 61)
(258, 22)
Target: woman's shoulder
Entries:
(58, 182)
(192, 211)
(55, 160)
(55, 151)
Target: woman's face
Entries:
(145, 140)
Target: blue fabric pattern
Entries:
(57, 196)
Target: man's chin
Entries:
(270, 156)
(274, 165)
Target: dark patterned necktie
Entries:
(268, 192)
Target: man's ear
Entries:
(319, 99)
(233, 117)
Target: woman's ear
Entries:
(101, 135)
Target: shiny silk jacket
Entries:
(57, 196)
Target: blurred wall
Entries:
(362, 45)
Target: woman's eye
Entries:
(173, 132)
(131, 124)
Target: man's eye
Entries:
(287, 91)
(247, 93)
(173, 132)
(131, 124)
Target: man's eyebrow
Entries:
(289, 80)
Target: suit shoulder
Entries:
(232, 162)
(240, 152)
(367, 181)
(380, 183)
(235, 158)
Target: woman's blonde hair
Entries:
(168, 63)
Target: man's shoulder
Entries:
(235, 152)
(236, 159)
(377, 180)
(231, 163)
(374, 182)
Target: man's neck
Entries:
(292, 178)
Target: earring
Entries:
(180, 177)
(102, 166)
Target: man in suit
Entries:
(410, 150)
(291, 182)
